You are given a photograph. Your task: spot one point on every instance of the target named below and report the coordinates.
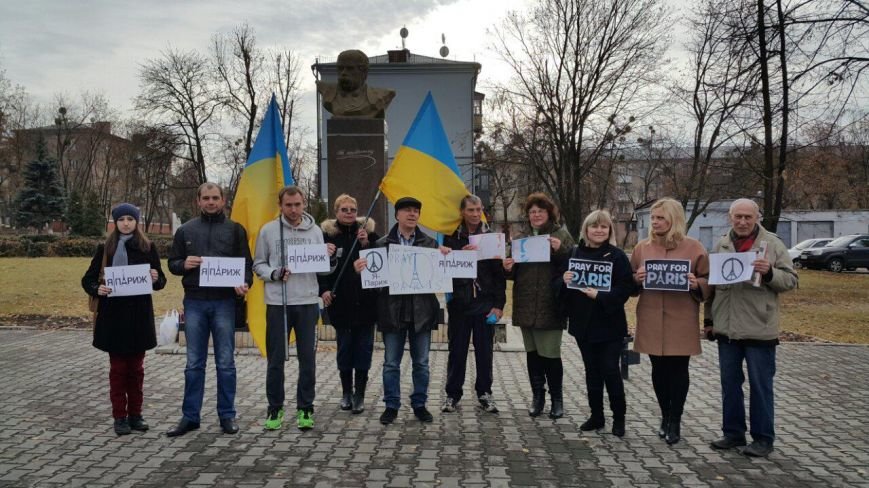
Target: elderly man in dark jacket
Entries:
(475, 307)
(405, 318)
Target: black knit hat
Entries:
(123, 209)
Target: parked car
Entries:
(843, 253)
(795, 251)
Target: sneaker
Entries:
(305, 419)
(275, 419)
(487, 403)
(122, 426)
(449, 405)
(423, 414)
(389, 415)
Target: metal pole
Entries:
(284, 289)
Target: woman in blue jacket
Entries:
(597, 317)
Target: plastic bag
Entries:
(168, 328)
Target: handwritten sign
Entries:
(128, 281)
(489, 246)
(413, 270)
(459, 264)
(730, 267)
(531, 249)
(591, 274)
(221, 272)
(667, 274)
(308, 258)
(375, 275)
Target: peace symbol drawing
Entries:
(731, 269)
(375, 262)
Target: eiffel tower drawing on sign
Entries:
(415, 282)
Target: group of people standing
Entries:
(742, 317)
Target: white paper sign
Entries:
(730, 267)
(489, 246)
(531, 249)
(375, 275)
(308, 258)
(413, 270)
(221, 272)
(128, 281)
(459, 264)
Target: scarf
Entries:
(744, 244)
(120, 257)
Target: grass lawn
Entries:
(830, 306)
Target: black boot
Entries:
(359, 394)
(665, 422)
(346, 388)
(619, 408)
(674, 429)
(555, 378)
(537, 378)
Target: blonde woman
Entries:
(668, 321)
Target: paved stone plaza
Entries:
(56, 430)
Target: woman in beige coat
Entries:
(668, 322)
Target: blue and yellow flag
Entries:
(425, 168)
(256, 202)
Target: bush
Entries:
(41, 237)
(35, 249)
(163, 244)
(11, 247)
(73, 247)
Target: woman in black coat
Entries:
(124, 326)
(597, 318)
(352, 309)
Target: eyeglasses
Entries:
(348, 210)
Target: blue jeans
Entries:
(420, 343)
(760, 361)
(217, 318)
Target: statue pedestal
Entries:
(356, 152)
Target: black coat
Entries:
(490, 284)
(352, 305)
(423, 307)
(602, 319)
(124, 325)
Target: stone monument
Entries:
(356, 134)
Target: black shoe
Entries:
(593, 423)
(538, 401)
(449, 405)
(423, 414)
(388, 416)
(619, 426)
(122, 426)
(674, 430)
(665, 421)
(229, 425)
(557, 409)
(183, 427)
(358, 401)
(487, 403)
(727, 443)
(346, 401)
(758, 449)
(138, 423)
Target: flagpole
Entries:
(355, 241)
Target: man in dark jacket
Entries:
(209, 310)
(475, 307)
(405, 318)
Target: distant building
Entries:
(412, 76)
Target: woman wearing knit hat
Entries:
(124, 326)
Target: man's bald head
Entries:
(744, 214)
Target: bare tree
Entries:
(239, 66)
(284, 79)
(577, 65)
(179, 92)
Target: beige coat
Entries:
(668, 322)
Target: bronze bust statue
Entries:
(351, 96)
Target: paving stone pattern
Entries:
(56, 430)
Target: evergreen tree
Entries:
(41, 200)
(84, 214)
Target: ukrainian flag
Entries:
(426, 169)
(256, 202)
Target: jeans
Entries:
(760, 361)
(355, 347)
(303, 320)
(459, 333)
(420, 343)
(217, 318)
(601, 360)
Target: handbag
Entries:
(94, 301)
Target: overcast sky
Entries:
(52, 46)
